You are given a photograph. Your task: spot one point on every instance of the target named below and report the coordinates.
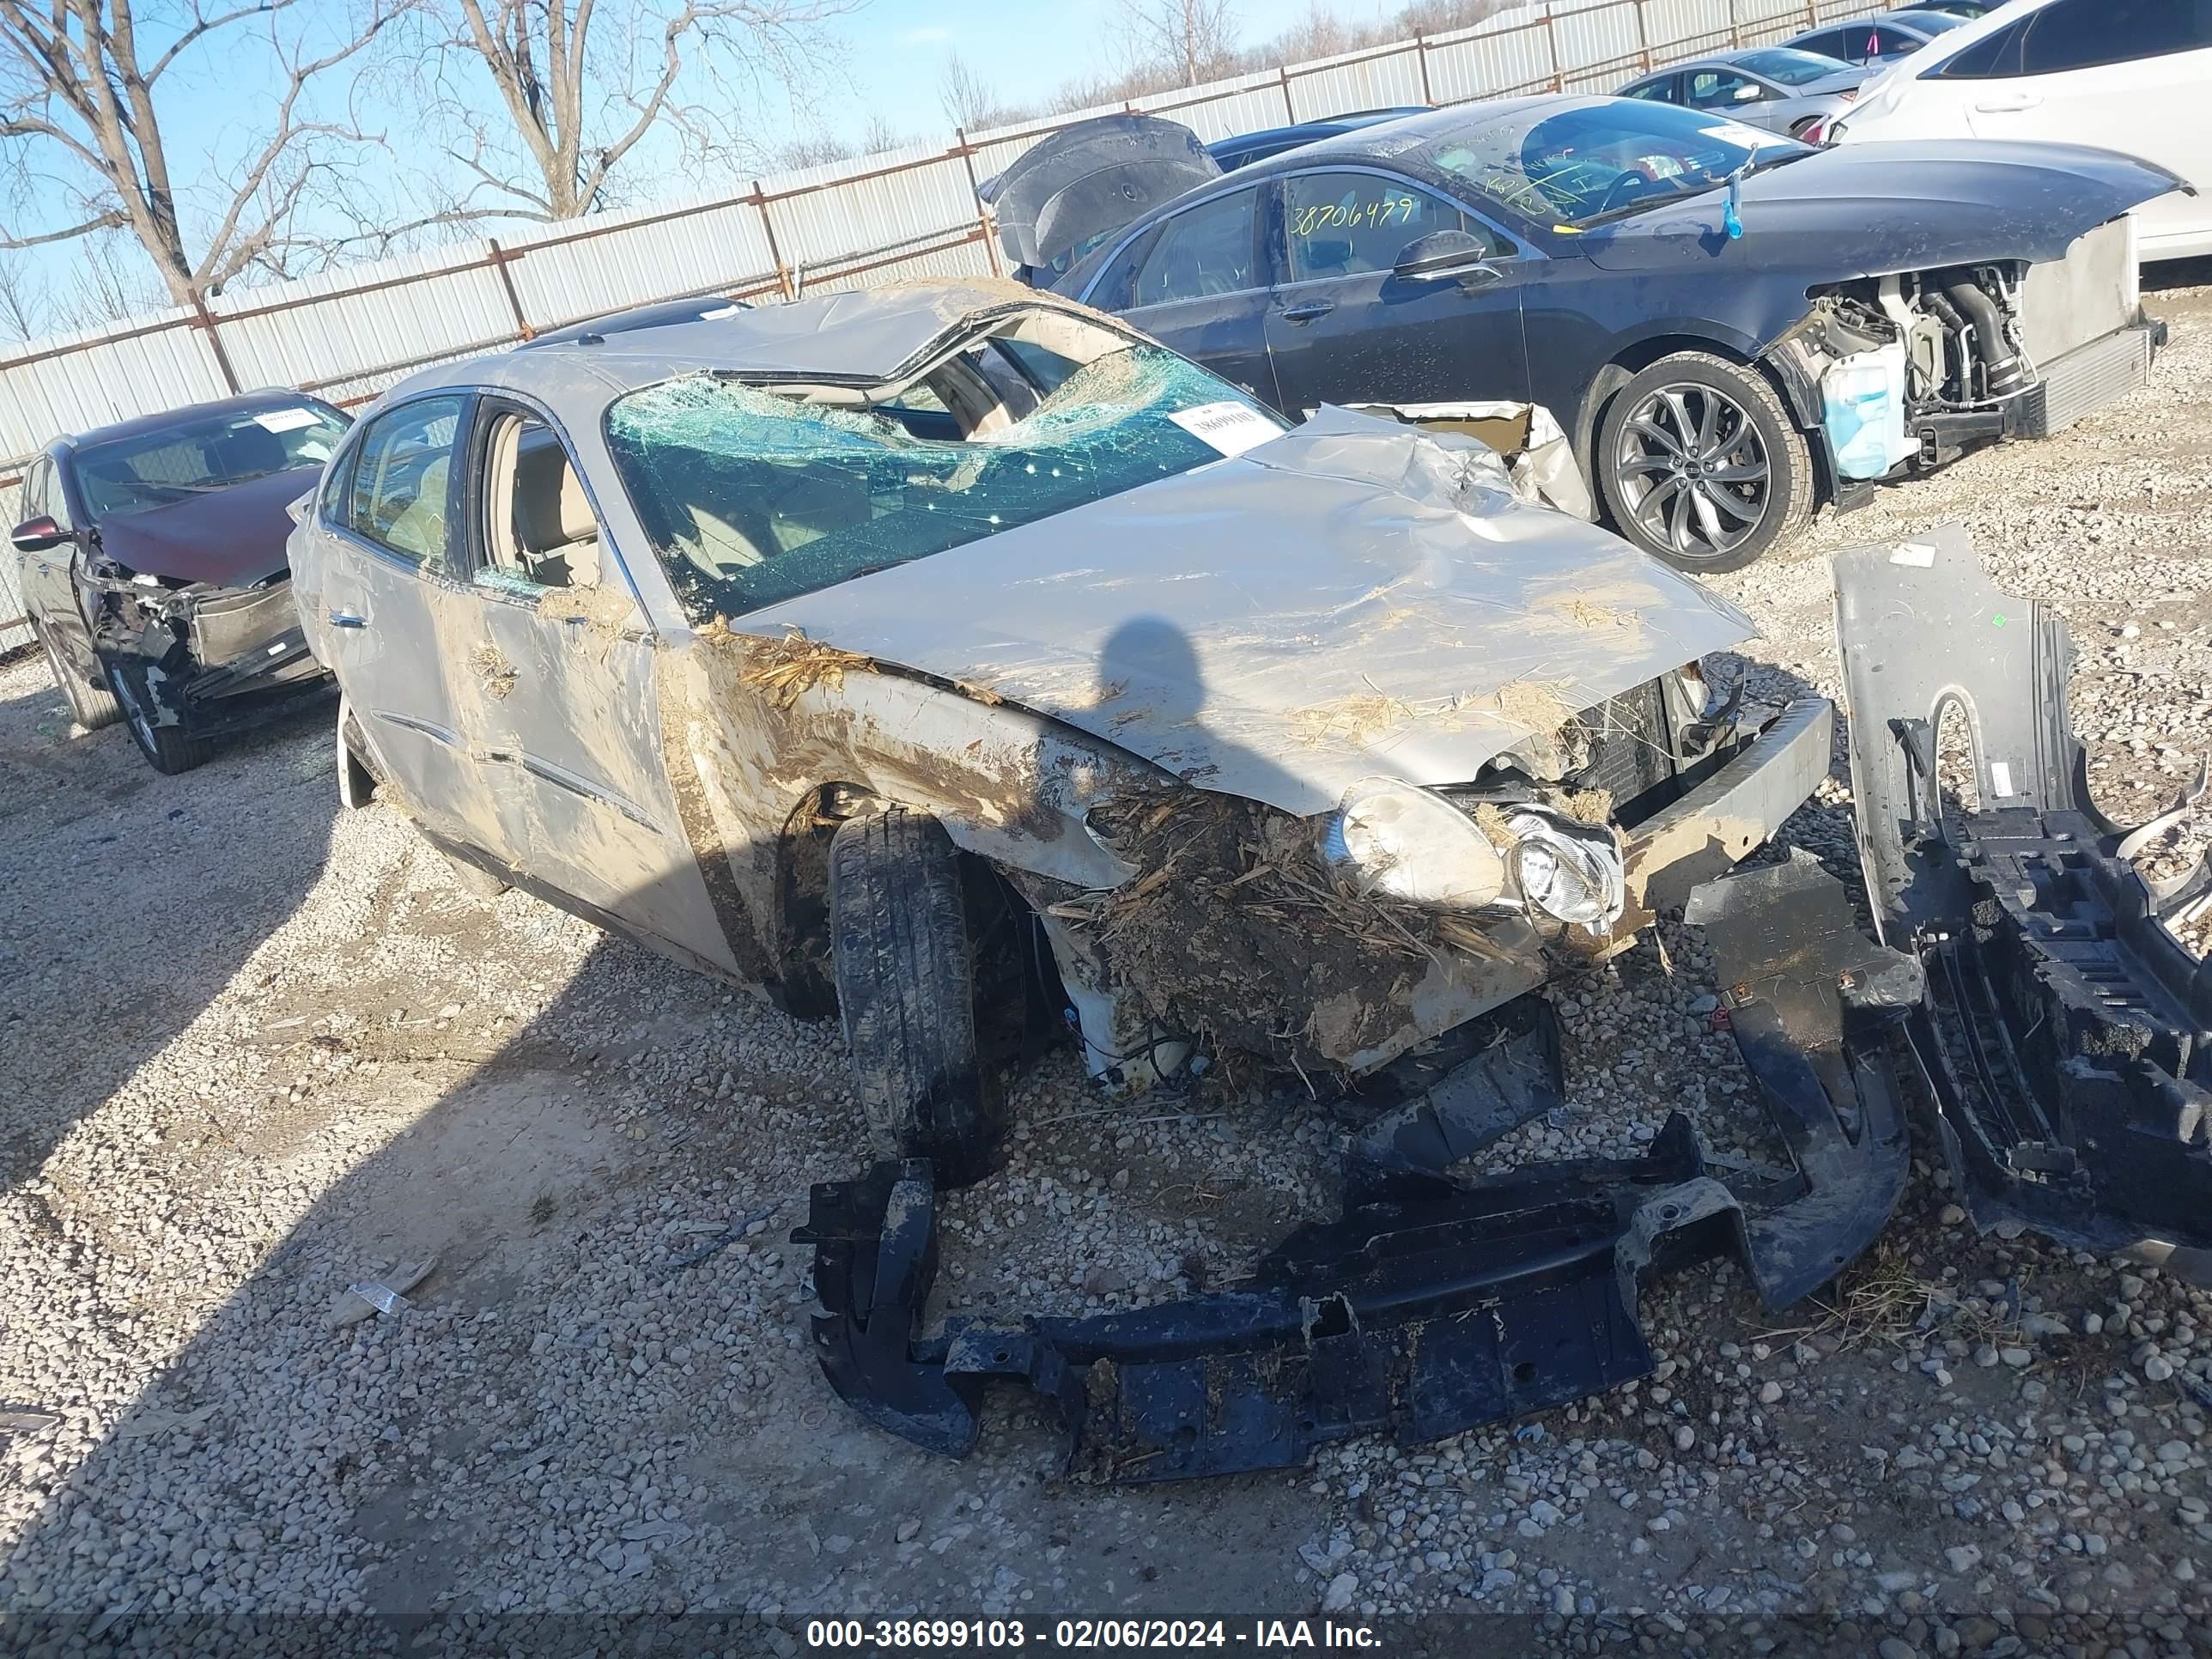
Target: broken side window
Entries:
(751, 496)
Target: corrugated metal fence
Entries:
(909, 212)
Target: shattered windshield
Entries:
(1573, 166)
(751, 496)
(198, 457)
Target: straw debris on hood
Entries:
(787, 668)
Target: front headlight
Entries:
(1399, 840)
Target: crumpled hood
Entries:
(1353, 598)
(232, 538)
(1869, 209)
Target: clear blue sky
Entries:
(1022, 48)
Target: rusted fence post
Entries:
(204, 318)
(1421, 57)
(982, 210)
(1642, 39)
(1552, 40)
(783, 275)
(1290, 109)
(500, 256)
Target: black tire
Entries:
(357, 778)
(92, 706)
(905, 965)
(1700, 464)
(168, 750)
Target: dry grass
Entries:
(1881, 1302)
(787, 668)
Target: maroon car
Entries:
(154, 570)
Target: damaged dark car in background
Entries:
(1732, 328)
(153, 567)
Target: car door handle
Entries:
(2004, 102)
(347, 619)
(1307, 310)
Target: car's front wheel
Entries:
(168, 750)
(92, 706)
(1698, 464)
(905, 963)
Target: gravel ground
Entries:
(254, 1050)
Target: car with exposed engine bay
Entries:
(1731, 328)
(153, 572)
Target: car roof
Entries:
(1321, 127)
(862, 336)
(1904, 20)
(1711, 60)
(138, 426)
(660, 314)
(1355, 145)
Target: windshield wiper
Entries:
(1676, 191)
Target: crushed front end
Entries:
(200, 656)
(2066, 1038)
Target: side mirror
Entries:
(37, 535)
(1749, 93)
(1442, 254)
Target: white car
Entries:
(2124, 75)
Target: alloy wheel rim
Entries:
(1694, 470)
(140, 724)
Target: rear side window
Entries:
(2077, 34)
(1722, 89)
(402, 471)
(1203, 251)
(1348, 224)
(1992, 58)
(1660, 91)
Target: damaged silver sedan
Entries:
(957, 661)
(814, 645)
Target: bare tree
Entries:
(581, 84)
(23, 306)
(81, 105)
(1192, 41)
(968, 99)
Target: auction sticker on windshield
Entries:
(287, 420)
(1734, 132)
(1232, 428)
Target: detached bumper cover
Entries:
(1429, 1305)
(2067, 1035)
